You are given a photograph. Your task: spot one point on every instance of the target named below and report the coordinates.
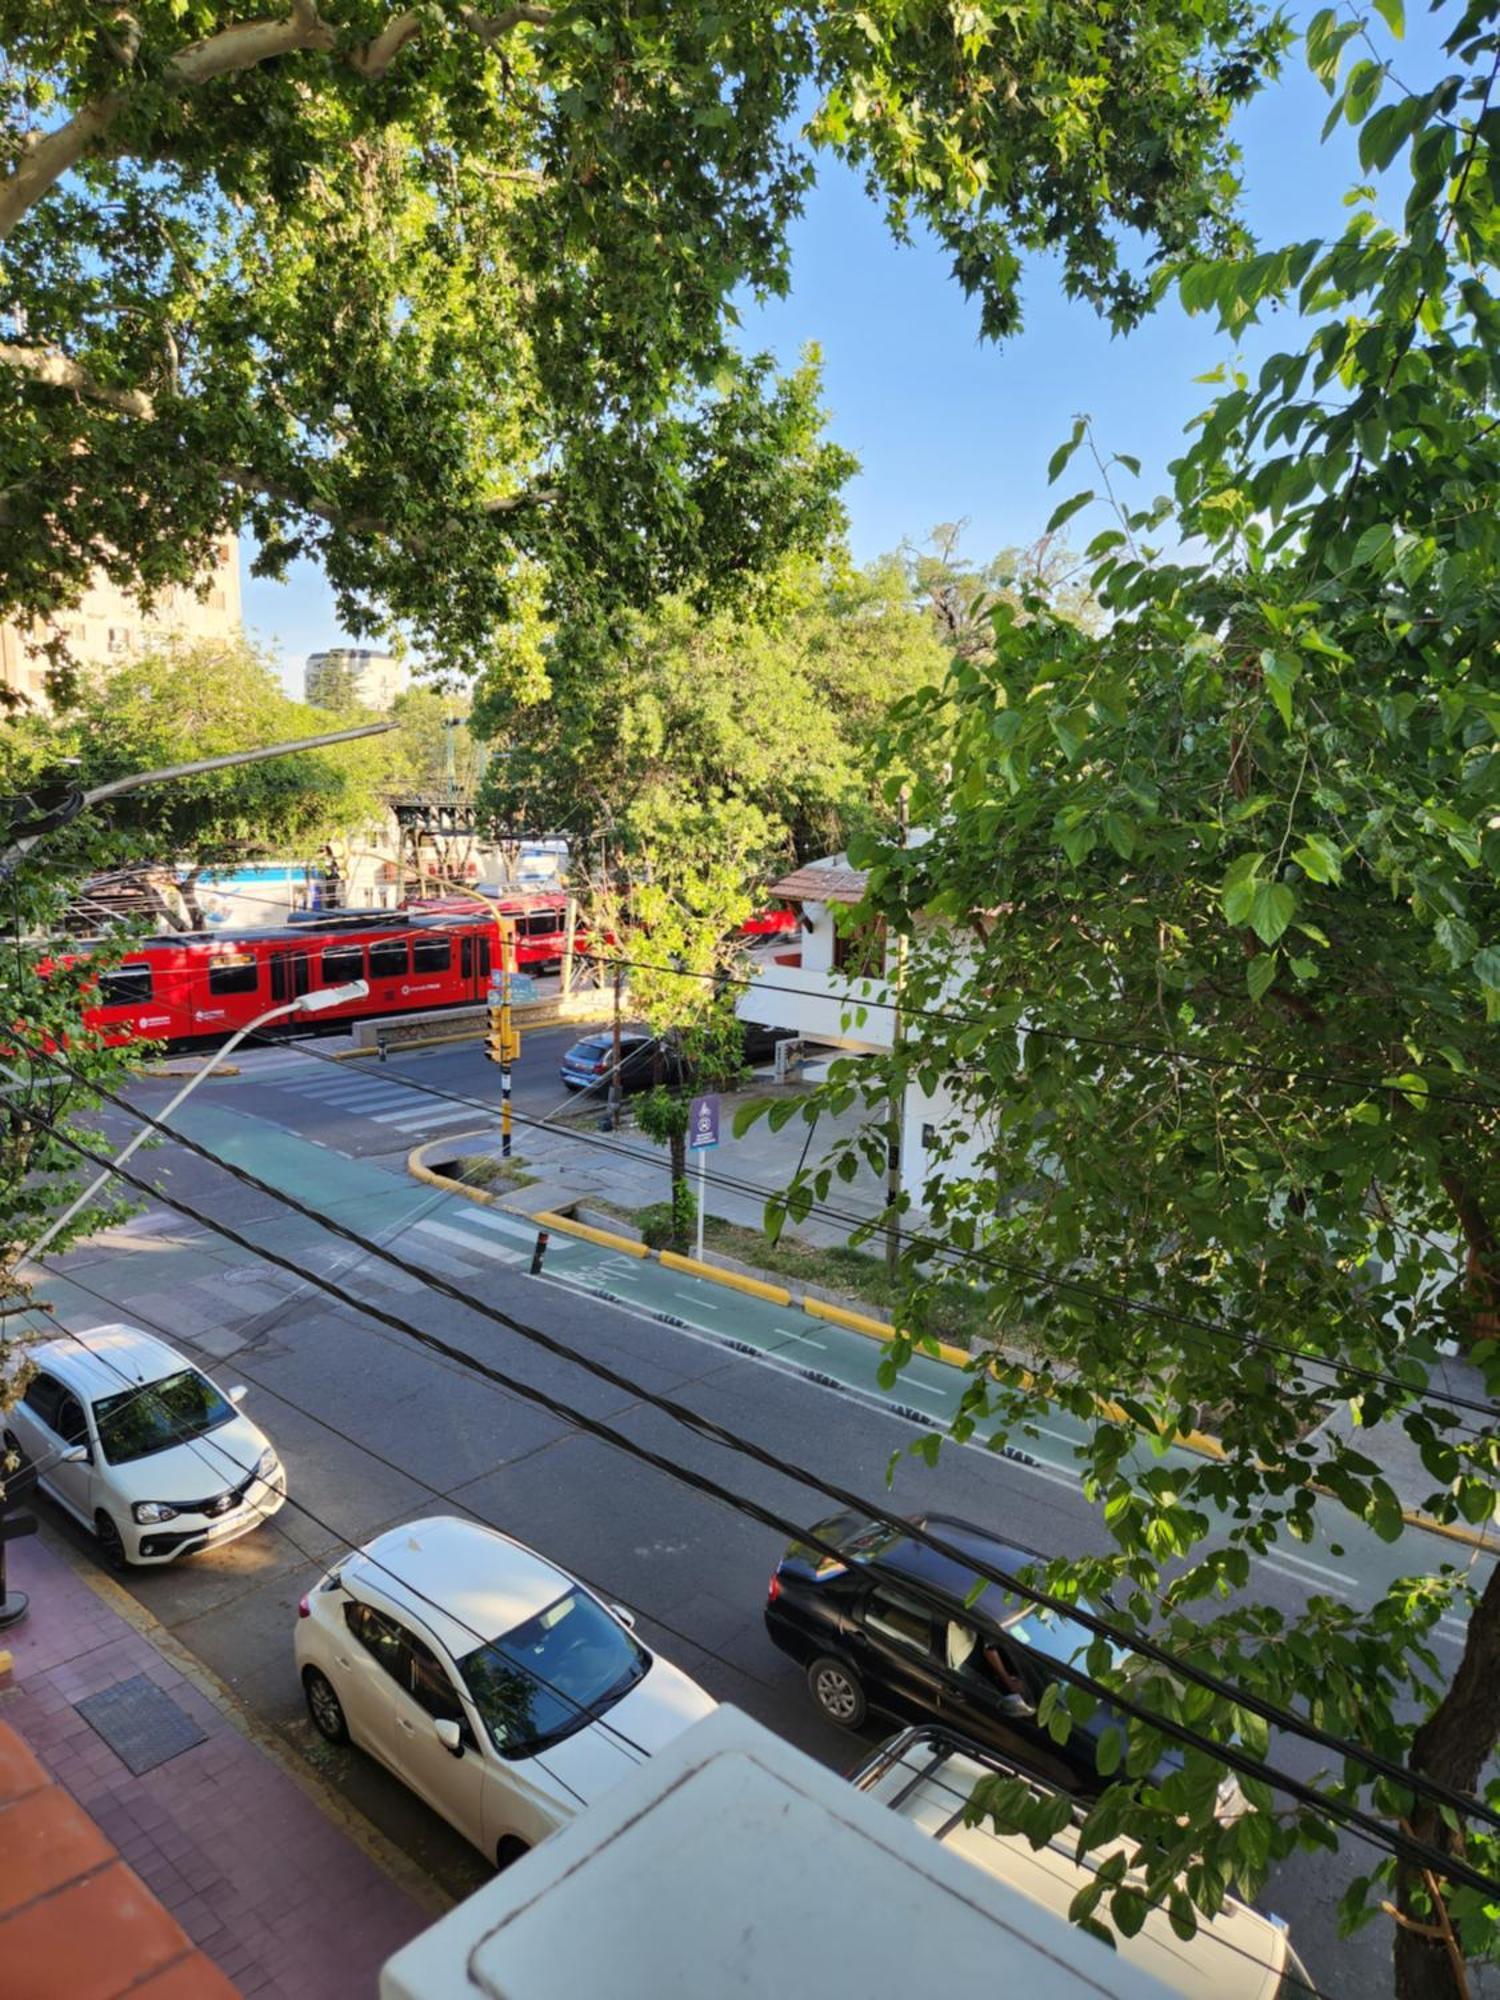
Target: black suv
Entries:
(869, 1640)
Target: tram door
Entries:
(289, 975)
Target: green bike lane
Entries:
(487, 1252)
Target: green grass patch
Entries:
(955, 1314)
(485, 1170)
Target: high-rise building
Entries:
(352, 677)
(106, 629)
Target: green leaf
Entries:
(1373, 542)
(1319, 859)
(1280, 671)
(1394, 16)
(1271, 910)
(1485, 966)
(1109, 1751)
(1259, 974)
(1059, 459)
(1120, 833)
(1066, 509)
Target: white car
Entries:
(138, 1444)
(494, 1685)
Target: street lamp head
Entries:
(331, 996)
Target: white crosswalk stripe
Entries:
(478, 1246)
(432, 1113)
(507, 1225)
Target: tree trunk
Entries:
(1454, 1745)
(187, 888)
(679, 1188)
(1482, 1260)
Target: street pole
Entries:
(509, 1041)
(702, 1195)
(614, 1072)
(305, 1003)
(570, 936)
(897, 1116)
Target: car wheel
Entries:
(510, 1850)
(111, 1547)
(324, 1707)
(837, 1691)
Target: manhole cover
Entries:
(143, 1726)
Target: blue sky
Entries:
(947, 428)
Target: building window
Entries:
(119, 639)
(125, 986)
(346, 962)
(233, 975)
(430, 955)
(388, 958)
(859, 950)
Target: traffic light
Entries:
(497, 1038)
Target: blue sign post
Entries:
(703, 1132)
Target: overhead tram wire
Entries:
(1364, 1825)
(1157, 1051)
(348, 1542)
(1203, 1058)
(579, 1707)
(1419, 1784)
(438, 1493)
(1081, 1287)
(324, 1423)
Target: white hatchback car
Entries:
(494, 1685)
(126, 1434)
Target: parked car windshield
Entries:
(553, 1674)
(139, 1421)
(1058, 1637)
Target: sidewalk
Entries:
(274, 1891)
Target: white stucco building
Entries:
(832, 983)
(373, 680)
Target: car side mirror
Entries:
(626, 1618)
(77, 1454)
(450, 1735)
(238, 1393)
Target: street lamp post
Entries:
(305, 1003)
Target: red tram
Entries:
(196, 984)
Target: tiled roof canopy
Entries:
(821, 885)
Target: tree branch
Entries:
(49, 156)
(56, 371)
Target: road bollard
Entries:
(539, 1253)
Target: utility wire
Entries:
(362, 1445)
(1160, 1051)
(928, 1245)
(1421, 1784)
(581, 1708)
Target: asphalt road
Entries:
(376, 1430)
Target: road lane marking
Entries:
(708, 1305)
(479, 1246)
(806, 1338)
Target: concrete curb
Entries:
(1203, 1443)
(419, 1170)
(386, 1856)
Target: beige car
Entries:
(928, 1776)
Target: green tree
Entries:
(41, 1107)
(962, 597)
(444, 298)
(780, 710)
(1205, 944)
(437, 743)
(185, 702)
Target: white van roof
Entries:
(923, 1775)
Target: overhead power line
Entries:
(929, 1245)
(1419, 1783)
(1156, 1051)
(580, 1708)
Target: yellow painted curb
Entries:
(419, 1170)
(1455, 1531)
(756, 1287)
(171, 1075)
(1201, 1442)
(384, 1853)
(545, 1219)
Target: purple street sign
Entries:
(703, 1123)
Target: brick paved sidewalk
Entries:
(276, 1893)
